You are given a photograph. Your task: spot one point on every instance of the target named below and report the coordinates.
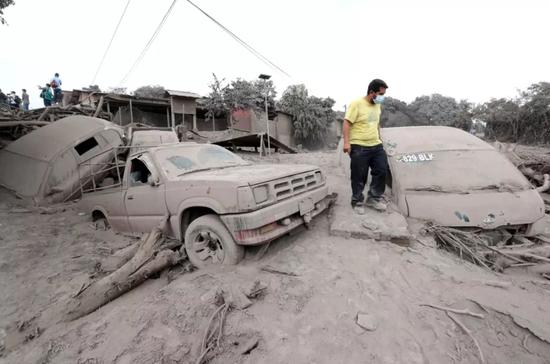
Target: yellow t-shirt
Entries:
(364, 118)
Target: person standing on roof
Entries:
(55, 83)
(362, 141)
(25, 98)
(47, 95)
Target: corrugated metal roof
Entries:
(50, 140)
(183, 94)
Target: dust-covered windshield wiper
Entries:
(212, 168)
(195, 170)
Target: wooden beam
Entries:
(172, 111)
(131, 112)
(99, 107)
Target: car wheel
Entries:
(208, 242)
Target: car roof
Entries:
(414, 139)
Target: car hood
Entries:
(488, 209)
(249, 174)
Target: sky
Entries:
(467, 49)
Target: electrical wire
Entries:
(151, 40)
(260, 56)
(110, 42)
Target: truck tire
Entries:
(208, 242)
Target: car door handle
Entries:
(130, 197)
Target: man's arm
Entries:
(345, 132)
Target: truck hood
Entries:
(487, 209)
(250, 174)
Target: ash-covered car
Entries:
(216, 202)
(453, 178)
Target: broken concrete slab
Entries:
(390, 225)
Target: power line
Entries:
(110, 42)
(260, 56)
(146, 48)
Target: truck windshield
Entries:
(178, 161)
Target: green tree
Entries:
(534, 116)
(238, 94)
(501, 117)
(397, 113)
(153, 91)
(4, 4)
(215, 103)
(437, 109)
(311, 116)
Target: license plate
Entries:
(306, 206)
(416, 157)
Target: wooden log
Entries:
(150, 258)
(99, 106)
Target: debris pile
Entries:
(15, 124)
(533, 162)
(511, 251)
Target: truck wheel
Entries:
(208, 242)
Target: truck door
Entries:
(144, 200)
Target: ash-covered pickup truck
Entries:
(216, 202)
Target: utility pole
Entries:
(265, 78)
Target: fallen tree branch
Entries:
(469, 333)
(151, 257)
(213, 332)
(454, 310)
(270, 269)
(530, 255)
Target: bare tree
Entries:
(4, 4)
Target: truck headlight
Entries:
(245, 198)
(261, 194)
(319, 178)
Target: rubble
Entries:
(14, 125)
(476, 247)
(51, 113)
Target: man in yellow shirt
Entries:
(362, 142)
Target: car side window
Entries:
(139, 172)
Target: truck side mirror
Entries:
(153, 181)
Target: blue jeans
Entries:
(363, 158)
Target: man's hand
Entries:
(347, 148)
(345, 134)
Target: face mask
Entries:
(379, 99)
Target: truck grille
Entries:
(288, 187)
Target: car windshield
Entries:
(182, 160)
(457, 172)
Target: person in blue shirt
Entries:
(55, 83)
